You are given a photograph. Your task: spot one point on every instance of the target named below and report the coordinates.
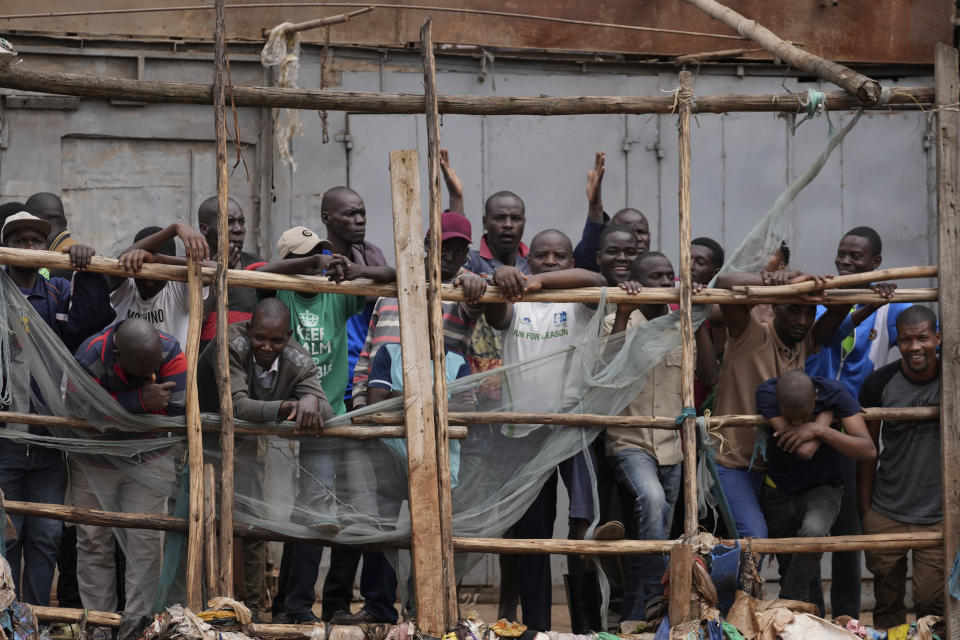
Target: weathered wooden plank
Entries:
(435, 317)
(681, 583)
(948, 241)
(418, 402)
(194, 442)
(211, 556)
(225, 580)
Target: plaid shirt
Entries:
(458, 323)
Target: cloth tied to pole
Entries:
(815, 104)
(688, 412)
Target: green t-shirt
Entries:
(319, 324)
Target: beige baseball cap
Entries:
(300, 241)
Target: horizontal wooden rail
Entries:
(107, 88)
(923, 540)
(321, 284)
(354, 432)
(876, 542)
(639, 422)
(258, 630)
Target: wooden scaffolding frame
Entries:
(425, 421)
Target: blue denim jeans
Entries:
(808, 514)
(654, 490)
(742, 489)
(33, 474)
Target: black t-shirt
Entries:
(788, 471)
(908, 485)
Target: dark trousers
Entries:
(378, 586)
(846, 565)
(378, 580)
(532, 571)
(304, 566)
(338, 585)
(68, 591)
(808, 514)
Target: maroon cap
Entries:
(455, 225)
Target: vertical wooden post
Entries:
(418, 399)
(435, 315)
(686, 323)
(211, 560)
(194, 441)
(225, 586)
(682, 555)
(681, 584)
(947, 95)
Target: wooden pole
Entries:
(418, 402)
(834, 293)
(211, 557)
(222, 369)
(194, 443)
(856, 84)
(948, 242)
(435, 317)
(297, 27)
(713, 55)
(601, 421)
(681, 556)
(263, 631)
(354, 432)
(75, 84)
(923, 540)
(685, 99)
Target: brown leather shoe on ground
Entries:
(612, 530)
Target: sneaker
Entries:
(612, 530)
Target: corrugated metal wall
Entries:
(122, 166)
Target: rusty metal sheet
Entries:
(903, 31)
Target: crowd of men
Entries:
(820, 469)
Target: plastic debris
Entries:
(507, 629)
